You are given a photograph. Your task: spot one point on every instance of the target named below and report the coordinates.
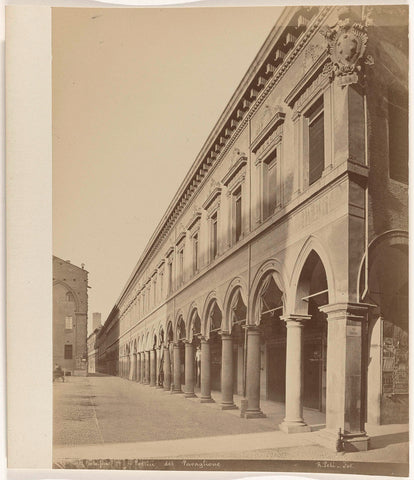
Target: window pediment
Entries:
(274, 123)
(194, 222)
(239, 164)
(313, 81)
(215, 193)
(169, 252)
(180, 238)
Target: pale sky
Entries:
(136, 92)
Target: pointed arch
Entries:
(70, 290)
(271, 268)
(236, 285)
(211, 298)
(312, 243)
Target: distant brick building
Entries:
(70, 312)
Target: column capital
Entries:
(350, 310)
(204, 339)
(224, 334)
(252, 328)
(295, 319)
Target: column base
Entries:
(167, 389)
(228, 406)
(294, 427)
(207, 400)
(173, 392)
(159, 387)
(189, 395)
(356, 442)
(254, 414)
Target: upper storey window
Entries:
(214, 237)
(269, 184)
(212, 206)
(316, 141)
(180, 272)
(237, 214)
(69, 297)
(68, 323)
(311, 100)
(267, 148)
(398, 135)
(194, 228)
(195, 253)
(234, 180)
(180, 245)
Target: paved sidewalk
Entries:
(108, 417)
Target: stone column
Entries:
(345, 375)
(153, 369)
(134, 367)
(189, 370)
(227, 372)
(253, 373)
(142, 367)
(147, 367)
(177, 369)
(205, 372)
(240, 368)
(159, 355)
(293, 421)
(138, 379)
(167, 368)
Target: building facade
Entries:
(280, 269)
(70, 312)
(91, 342)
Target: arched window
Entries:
(69, 297)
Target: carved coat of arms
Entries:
(347, 42)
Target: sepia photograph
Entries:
(230, 239)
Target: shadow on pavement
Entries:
(383, 440)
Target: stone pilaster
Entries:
(293, 421)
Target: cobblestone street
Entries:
(109, 417)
